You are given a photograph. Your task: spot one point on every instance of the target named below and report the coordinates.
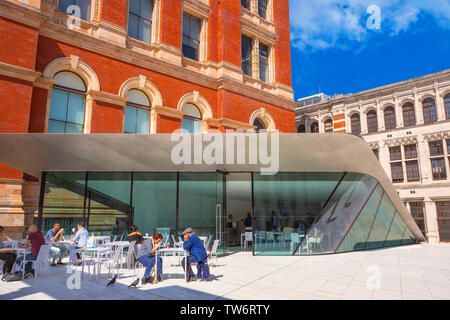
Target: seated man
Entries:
(58, 251)
(146, 256)
(6, 256)
(35, 240)
(197, 253)
(81, 237)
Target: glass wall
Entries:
(286, 206)
(154, 202)
(63, 200)
(293, 213)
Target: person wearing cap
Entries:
(197, 254)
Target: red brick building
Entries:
(144, 66)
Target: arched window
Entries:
(447, 106)
(260, 126)
(356, 124)
(409, 115)
(301, 129)
(329, 126)
(67, 7)
(429, 110)
(67, 104)
(315, 127)
(137, 112)
(389, 118)
(372, 123)
(192, 120)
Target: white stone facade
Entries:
(422, 185)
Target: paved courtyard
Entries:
(411, 272)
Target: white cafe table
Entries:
(101, 239)
(118, 245)
(19, 251)
(177, 251)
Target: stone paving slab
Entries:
(412, 272)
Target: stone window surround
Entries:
(255, 78)
(253, 13)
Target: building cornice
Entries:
(16, 72)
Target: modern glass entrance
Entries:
(292, 213)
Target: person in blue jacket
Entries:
(197, 253)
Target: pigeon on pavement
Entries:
(112, 282)
(134, 284)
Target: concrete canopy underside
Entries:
(35, 153)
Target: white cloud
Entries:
(321, 24)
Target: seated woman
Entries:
(146, 256)
(7, 257)
(135, 235)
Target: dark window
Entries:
(66, 6)
(410, 151)
(263, 62)
(436, 148)
(448, 147)
(247, 55)
(417, 212)
(191, 36)
(376, 153)
(329, 126)
(301, 129)
(356, 124)
(447, 106)
(395, 153)
(397, 172)
(315, 127)
(259, 125)
(409, 115)
(246, 4)
(438, 169)
(429, 110)
(372, 123)
(140, 20)
(389, 118)
(443, 216)
(262, 8)
(412, 170)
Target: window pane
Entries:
(396, 232)
(133, 22)
(429, 110)
(192, 111)
(412, 169)
(356, 124)
(262, 8)
(357, 236)
(154, 201)
(109, 204)
(69, 80)
(63, 200)
(246, 55)
(436, 148)
(408, 237)
(397, 172)
(130, 120)
(410, 151)
(381, 224)
(395, 153)
(75, 111)
(146, 9)
(372, 124)
(58, 105)
(144, 30)
(74, 128)
(447, 106)
(291, 200)
(134, 7)
(85, 7)
(143, 119)
(438, 168)
(56, 126)
(339, 214)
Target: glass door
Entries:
(201, 205)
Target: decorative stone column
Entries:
(255, 59)
(12, 215)
(424, 162)
(431, 221)
(417, 108)
(398, 112)
(440, 108)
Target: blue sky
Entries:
(333, 47)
